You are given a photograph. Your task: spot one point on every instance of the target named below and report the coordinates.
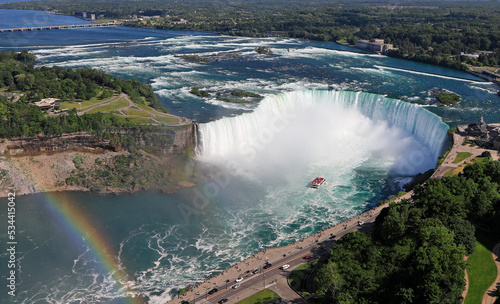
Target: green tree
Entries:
(328, 280)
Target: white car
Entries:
(286, 266)
(239, 280)
(236, 286)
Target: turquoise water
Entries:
(164, 242)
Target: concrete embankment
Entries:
(291, 254)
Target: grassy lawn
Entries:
(461, 156)
(481, 269)
(145, 108)
(136, 112)
(119, 104)
(76, 105)
(455, 171)
(343, 42)
(166, 119)
(298, 275)
(460, 168)
(138, 119)
(264, 296)
(81, 104)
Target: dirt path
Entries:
(182, 121)
(490, 295)
(466, 290)
(106, 102)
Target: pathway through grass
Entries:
(481, 269)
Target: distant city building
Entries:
(92, 16)
(374, 45)
(84, 14)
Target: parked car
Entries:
(284, 267)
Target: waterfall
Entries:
(251, 132)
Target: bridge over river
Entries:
(56, 27)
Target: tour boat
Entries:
(318, 181)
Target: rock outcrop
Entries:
(127, 161)
(42, 144)
(165, 140)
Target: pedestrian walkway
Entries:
(313, 243)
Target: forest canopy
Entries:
(23, 118)
(66, 84)
(415, 252)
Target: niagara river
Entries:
(365, 122)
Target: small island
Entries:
(447, 98)
(196, 91)
(234, 96)
(263, 50)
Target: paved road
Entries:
(274, 278)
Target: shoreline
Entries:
(355, 49)
(321, 240)
(46, 173)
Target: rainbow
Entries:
(77, 224)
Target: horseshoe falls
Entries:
(336, 130)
